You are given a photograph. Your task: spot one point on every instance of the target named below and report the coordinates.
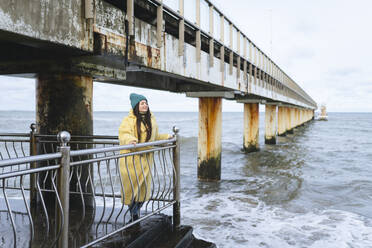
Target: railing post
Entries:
(63, 187)
(176, 180)
(33, 165)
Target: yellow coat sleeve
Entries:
(162, 136)
(126, 132)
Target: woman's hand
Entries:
(133, 142)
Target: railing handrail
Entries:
(29, 159)
(28, 171)
(119, 155)
(79, 136)
(118, 148)
(15, 134)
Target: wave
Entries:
(245, 222)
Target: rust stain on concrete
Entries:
(138, 52)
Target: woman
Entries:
(138, 127)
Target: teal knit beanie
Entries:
(135, 99)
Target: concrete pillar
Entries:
(64, 102)
(307, 115)
(288, 119)
(209, 141)
(297, 117)
(251, 127)
(281, 121)
(302, 117)
(270, 124)
(293, 118)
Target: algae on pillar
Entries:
(270, 124)
(209, 141)
(251, 128)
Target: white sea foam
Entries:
(229, 223)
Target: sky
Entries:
(324, 46)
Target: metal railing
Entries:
(87, 186)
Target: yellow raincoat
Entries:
(135, 170)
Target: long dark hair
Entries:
(146, 121)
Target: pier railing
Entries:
(85, 184)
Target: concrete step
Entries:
(139, 235)
(181, 237)
(198, 243)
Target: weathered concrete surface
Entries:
(288, 118)
(64, 102)
(270, 124)
(55, 21)
(251, 127)
(209, 141)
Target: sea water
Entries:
(312, 189)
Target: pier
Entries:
(165, 45)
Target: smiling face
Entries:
(142, 106)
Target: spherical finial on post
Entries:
(33, 127)
(175, 130)
(63, 138)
